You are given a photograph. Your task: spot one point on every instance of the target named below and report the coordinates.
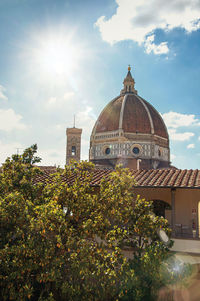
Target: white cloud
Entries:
(53, 102)
(68, 95)
(191, 145)
(136, 20)
(175, 120)
(86, 119)
(172, 156)
(180, 136)
(9, 120)
(83, 119)
(59, 126)
(8, 149)
(150, 46)
(199, 138)
(2, 94)
(53, 156)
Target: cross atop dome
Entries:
(129, 83)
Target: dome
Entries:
(132, 114)
(130, 129)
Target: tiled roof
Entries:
(144, 178)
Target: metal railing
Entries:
(184, 231)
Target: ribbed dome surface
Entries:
(132, 114)
(109, 118)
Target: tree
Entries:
(48, 254)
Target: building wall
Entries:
(186, 206)
(163, 194)
(186, 209)
(153, 150)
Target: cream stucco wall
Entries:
(186, 204)
(163, 194)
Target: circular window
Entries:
(107, 151)
(136, 150)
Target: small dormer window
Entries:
(73, 150)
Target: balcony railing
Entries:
(184, 231)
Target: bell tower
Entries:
(73, 149)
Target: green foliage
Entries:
(46, 254)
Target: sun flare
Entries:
(54, 55)
(57, 56)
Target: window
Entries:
(73, 150)
(136, 150)
(107, 151)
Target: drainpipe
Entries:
(138, 164)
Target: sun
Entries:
(54, 54)
(57, 55)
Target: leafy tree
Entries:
(49, 254)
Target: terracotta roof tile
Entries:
(109, 118)
(144, 178)
(174, 177)
(167, 176)
(198, 178)
(140, 174)
(137, 115)
(159, 126)
(135, 118)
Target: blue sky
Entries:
(60, 58)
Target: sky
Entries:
(69, 57)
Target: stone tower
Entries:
(73, 150)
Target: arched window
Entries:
(73, 150)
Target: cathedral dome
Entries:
(132, 114)
(129, 128)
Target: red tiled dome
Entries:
(129, 131)
(132, 114)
